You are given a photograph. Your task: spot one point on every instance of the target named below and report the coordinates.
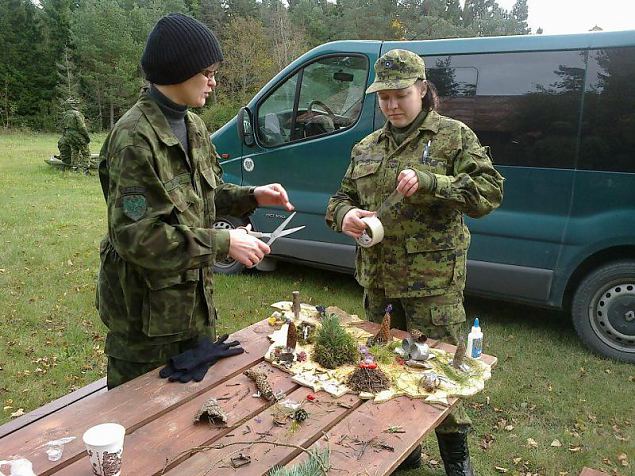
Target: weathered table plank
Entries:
(361, 442)
(324, 413)
(132, 405)
(167, 437)
(158, 416)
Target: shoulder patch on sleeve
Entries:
(134, 206)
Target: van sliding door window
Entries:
(607, 141)
(525, 105)
(324, 97)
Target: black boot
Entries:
(455, 454)
(412, 461)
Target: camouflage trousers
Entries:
(74, 153)
(439, 317)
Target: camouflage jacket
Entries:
(155, 282)
(424, 249)
(75, 126)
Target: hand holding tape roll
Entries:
(373, 234)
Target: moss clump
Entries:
(333, 345)
(384, 354)
(453, 374)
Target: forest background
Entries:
(90, 49)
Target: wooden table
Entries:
(158, 416)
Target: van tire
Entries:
(603, 310)
(229, 265)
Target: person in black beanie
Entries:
(163, 187)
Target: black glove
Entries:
(193, 364)
(184, 376)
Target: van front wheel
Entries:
(228, 265)
(603, 310)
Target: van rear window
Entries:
(525, 106)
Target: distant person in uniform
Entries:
(73, 144)
(163, 186)
(439, 167)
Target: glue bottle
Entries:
(475, 341)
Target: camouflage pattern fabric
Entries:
(425, 242)
(397, 69)
(73, 144)
(155, 285)
(420, 266)
(438, 317)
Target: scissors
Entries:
(278, 232)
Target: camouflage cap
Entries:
(397, 69)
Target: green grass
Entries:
(546, 387)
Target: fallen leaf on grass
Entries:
(575, 449)
(500, 469)
(556, 444)
(487, 441)
(623, 459)
(509, 427)
(433, 462)
(531, 443)
(517, 460)
(18, 413)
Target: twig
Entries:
(219, 446)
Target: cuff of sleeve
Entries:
(443, 186)
(221, 243)
(427, 181)
(340, 214)
(251, 195)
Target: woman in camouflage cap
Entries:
(443, 172)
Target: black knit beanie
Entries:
(178, 47)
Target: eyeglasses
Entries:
(209, 73)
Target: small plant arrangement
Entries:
(368, 378)
(333, 345)
(384, 354)
(318, 463)
(306, 333)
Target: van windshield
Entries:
(328, 100)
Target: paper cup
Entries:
(104, 444)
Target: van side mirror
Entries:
(245, 129)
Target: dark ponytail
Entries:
(431, 100)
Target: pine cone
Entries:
(418, 336)
(459, 354)
(300, 415)
(212, 410)
(262, 384)
(383, 336)
(292, 336)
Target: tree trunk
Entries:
(6, 103)
(112, 114)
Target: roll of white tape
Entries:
(373, 234)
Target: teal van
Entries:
(559, 115)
